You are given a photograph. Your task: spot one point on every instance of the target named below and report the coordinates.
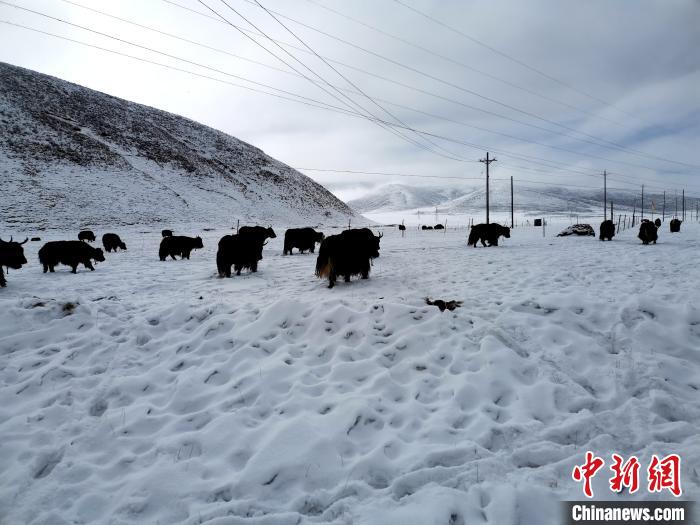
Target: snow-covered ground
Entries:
(155, 392)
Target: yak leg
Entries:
(3, 282)
(74, 268)
(52, 268)
(494, 242)
(331, 279)
(254, 266)
(483, 242)
(89, 265)
(347, 277)
(46, 268)
(172, 254)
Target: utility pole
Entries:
(487, 161)
(663, 210)
(605, 193)
(642, 201)
(512, 223)
(676, 214)
(612, 211)
(683, 204)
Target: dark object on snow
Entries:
(178, 245)
(111, 241)
(166, 233)
(439, 227)
(487, 233)
(301, 238)
(658, 223)
(402, 228)
(348, 253)
(35, 239)
(444, 305)
(675, 225)
(240, 251)
(86, 235)
(424, 227)
(538, 222)
(70, 253)
(648, 232)
(607, 230)
(259, 232)
(11, 256)
(577, 229)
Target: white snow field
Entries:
(156, 393)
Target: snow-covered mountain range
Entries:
(529, 198)
(71, 156)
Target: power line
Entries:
(384, 125)
(591, 138)
(511, 58)
(462, 64)
(304, 100)
(357, 88)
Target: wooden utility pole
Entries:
(512, 223)
(612, 211)
(605, 194)
(642, 201)
(676, 214)
(487, 161)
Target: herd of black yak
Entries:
(345, 255)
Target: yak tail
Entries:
(473, 237)
(323, 262)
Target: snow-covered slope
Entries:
(71, 156)
(268, 399)
(469, 198)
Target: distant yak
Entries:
(487, 233)
(648, 232)
(402, 227)
(424, 227)
(178, 245)
(607, 230)
(11, 256)
(86, 235)
(111, 241)
(439, 227)
(675, 225)
(166, 233)
(346, 254)
(301, 238)
(69, 253)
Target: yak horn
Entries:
(24, 241)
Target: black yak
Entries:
(648, 232)
(402, 228)
(301, 238)
(69, 253)
(675, 225)
(658, 223)
(487, 233)
(607, 230)
(239, 251)
(86, 235)
(259, 232)
(111, 241)
(424, 227)
(11, 256)
(243, 250)
(178, 245)
(348, 253)
(166, 233)
(439, 227)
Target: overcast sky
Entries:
(582, 85)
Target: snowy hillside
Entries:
(268, 399)
(70, 157)
(469, 198)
